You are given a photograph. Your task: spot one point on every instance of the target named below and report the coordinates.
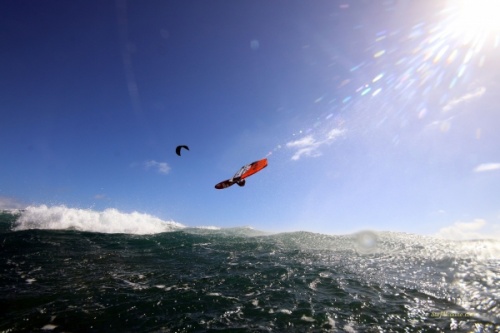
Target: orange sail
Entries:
(254, 168)
(244, 172)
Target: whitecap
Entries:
(108, 221)
(49, 327)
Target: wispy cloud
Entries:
(487, 167)
(309, 145)
(444, 120)
(474, 94)
(10, 203)
(477, 229)
(160, 167)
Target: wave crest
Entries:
(108, 221)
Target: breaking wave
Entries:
(108, 221)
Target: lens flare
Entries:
(478, 15)
(473, 22)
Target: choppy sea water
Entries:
(68, 270)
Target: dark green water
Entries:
(198, 280)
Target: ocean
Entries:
(73, 270)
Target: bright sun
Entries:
(473, 22)
(478, 16)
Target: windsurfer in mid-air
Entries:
(244, 172)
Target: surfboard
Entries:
(224, 184)
(244, 172)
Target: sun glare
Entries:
(478, 16)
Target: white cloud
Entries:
(309, 146)
(160, 167)
(446, 118)
(477, 229)
(308, 151)
(474, 94)
(335, 133)
(10, 203)
(487, 167)
(306, 146)
(304, 142)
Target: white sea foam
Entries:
(49, 327)
(208, 227)
(107, 221)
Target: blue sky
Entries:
(379, 115)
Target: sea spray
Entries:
(107, 221)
